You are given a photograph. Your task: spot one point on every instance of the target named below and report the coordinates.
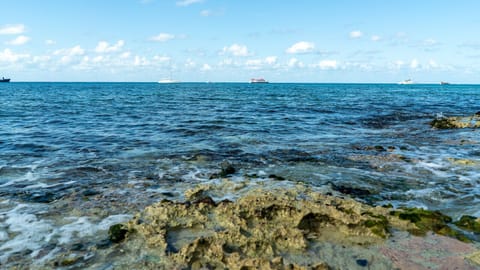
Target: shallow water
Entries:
(78, 157)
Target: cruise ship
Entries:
(259, 80)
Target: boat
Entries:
(408, 81)
(444, 83)
(5, 79)
(259, 80)
(168, 81)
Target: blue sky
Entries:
(211, 40)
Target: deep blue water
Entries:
(65, 142)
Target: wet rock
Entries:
(464, 162)
(41, 196)
(358, 192)
(292, 155)
(205, 200)
(226, 169)
(469, 223)
(90, 192)
(117, 233)
(378, 148)
(456, 122)
(266, 229)
(168, 194)
(362, 262)
(276, 177)
(255, 231)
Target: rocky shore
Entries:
(453, 122)
(290, 228)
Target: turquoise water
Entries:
(86, 155)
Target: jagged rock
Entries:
(456, 122)
(262, 227)
(256, 230)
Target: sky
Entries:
(357, 41)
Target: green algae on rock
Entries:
(426, 220)
(469, 223)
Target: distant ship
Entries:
(444, 83)
(408, 81)
(259, 80)
(168, 81)
(4, 80)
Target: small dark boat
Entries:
(4, 80)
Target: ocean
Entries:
(76, 158)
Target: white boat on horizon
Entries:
(168, 81)
(408, 81)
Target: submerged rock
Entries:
(456, 122)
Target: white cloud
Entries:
(270, 60)
(50, 42)
(376, 38)
(414, 64)
(206, 13)
(104, 47)
(190, 63)
(356, 34)
(161, 58)
(140, 61)
(185, 3)
(236, 50)
(398, 64)
(125, 55)
(301, 47)
(68, 55)
(267, 62)
(162, 37)
(41, 59)
(206, 67)
(20, 40)
(209, 12)
(430, 42)
(10, 57)
(294, 62)
(12, 29)
(326, 64)
(74, 51)
(432, 64)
